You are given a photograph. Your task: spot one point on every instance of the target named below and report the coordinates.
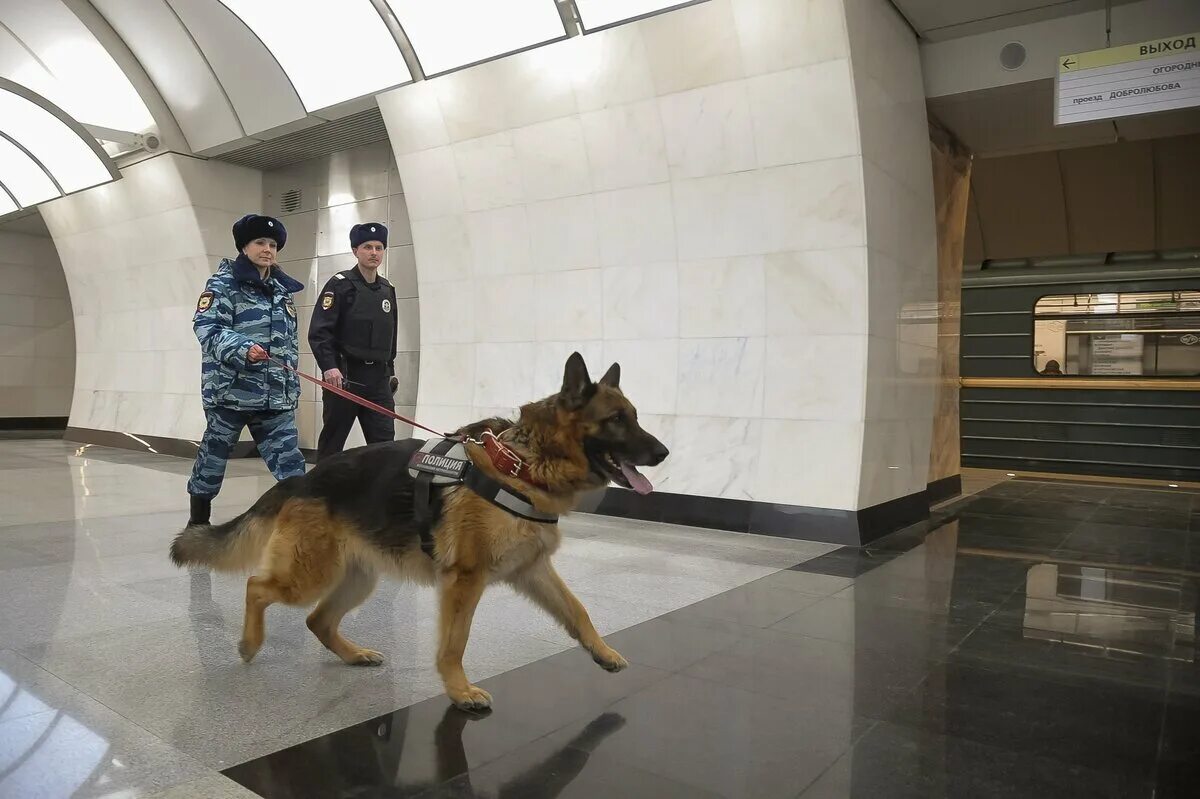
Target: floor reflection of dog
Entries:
(325, 536)
(382, 757)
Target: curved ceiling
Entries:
(228, 74)
(44, 154)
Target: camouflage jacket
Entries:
(236, 310)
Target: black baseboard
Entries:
(846, 527)
(33, 423)
(178, 447)
(944, 489)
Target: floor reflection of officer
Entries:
(244, 317)
(353, 336)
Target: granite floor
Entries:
(1034, 640)
(119, 675)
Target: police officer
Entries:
(245, 317)
(353, 337)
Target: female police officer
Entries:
(245, 317)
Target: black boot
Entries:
(201, 509)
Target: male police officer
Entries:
(353, 336)
(244, 317)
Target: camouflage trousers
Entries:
(273, 431)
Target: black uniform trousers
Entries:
(369, 381)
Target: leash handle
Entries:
(357, 399)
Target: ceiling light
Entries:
(65, 155)
(597, 14)
(451, 34)
(309, 41)
(28, 182)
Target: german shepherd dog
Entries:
(325, 536)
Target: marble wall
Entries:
(319, 201)
(37, 333)
(731, 200)
(902, 335)
(136, 254)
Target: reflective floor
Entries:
(119, 675)
(1034, 640)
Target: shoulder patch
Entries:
(327, 301)
(340, 276)
(205, 302)
(387, 306)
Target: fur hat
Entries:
(253, 226)
(368, 231)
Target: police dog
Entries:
(325, 536)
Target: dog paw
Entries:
(247, 650)
(473, 698)
(609, 659)
(366, 657)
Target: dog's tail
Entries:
(236, 545)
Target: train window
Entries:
(1145, 333)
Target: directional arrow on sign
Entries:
(1068, 63)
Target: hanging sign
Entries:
(1159, 75)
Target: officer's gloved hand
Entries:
(394, 382)
(333, 377)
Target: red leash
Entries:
(341, 392)
(503, 458)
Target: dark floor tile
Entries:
(1046, 532)
(675, 642)
(960, 599)
(985, 505)
(900, 762)
(1011, 489)
(1151, 500)
(1194, 522)
(575, 769)
(1059, 492)
(1015, 710)
(1051, 509)
(1128, 546)
(805, 582)
(846, 562)
(751, 604)
(898, 631)
(401, 754)
(860, 682)
(417, 748)
(725, 740)
(1004, 643)
(1179, 760)
(1142, 517)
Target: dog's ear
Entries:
(612, 378)
(577, 386)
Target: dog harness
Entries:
(443, 462)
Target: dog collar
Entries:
(506, 461)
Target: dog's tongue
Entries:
(637, 480)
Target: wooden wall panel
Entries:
(1020, 204)
(1177, 178)
(1109, 192)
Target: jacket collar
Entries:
(246, 272)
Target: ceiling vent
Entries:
(291, 200)
(355, 130)
(1012, 56)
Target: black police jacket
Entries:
(354, 319)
